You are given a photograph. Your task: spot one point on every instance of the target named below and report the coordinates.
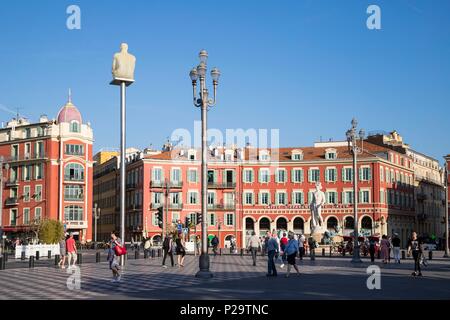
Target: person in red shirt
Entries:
(71, 250)
(283, 243)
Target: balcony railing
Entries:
(12, 201)
(76, 224)
(221, 185)
(27, 157)
(176, 206)
(156, 205)
(73, 198)
(162, 184)
(12, 183)
(73, 178)
(227, 206)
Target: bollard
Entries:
(79, 258)
(22, 255)
(97, 257)
(343, 252)
(430, 255)
(49, 254)
(159, 253)
(403, 254)
(330, 251)
(136, 254)
(6, 256)
(2, 267)
(37, 255)
(220, 251)
(312, 254)
(242, 252)
(57, 259)
(323, 252)
(31, 262)
(153, 253)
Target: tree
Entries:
(50, 231)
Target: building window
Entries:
(347, 174)
(264, 156)
(281, 176)
(26, 193)
(297, 197)
(75, 126)
(15, 152)
(75, 149)
(365, 174)
(381, 174)
(26, 172)
(264, 198)
(314, 175)
(26, 216)
(365, 196)
(247, 176)
(157, 197)
(193, 197)
(347, 197)
(175, 198)
(73, 213)
(297, 156)
(212, 219)
(38, 193)
(37, 214)
(13, 217)
(74, 172)
(73, 193)
(211, 198)
(330, 154)
(27, 150)
(281, 198)
(229, 218)
(176, 175)
(297, 175)
(382, 196)
(157, 175)
(38, 171)
(332, 197)
(248, 197)
(264, 175)
(27, 133)
(331, 175)
(192, 175)
(193, 217)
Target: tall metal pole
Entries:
(95, 224)
(122, 163)
(447, 253)
(356, 256)
(1, 204)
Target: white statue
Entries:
(123, 64)
(316, 208)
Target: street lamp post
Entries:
(447, 253)
(96, 217)
(203, 102)
(352, 139)
(166, 211)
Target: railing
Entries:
(73, 198)
(27, 157)
(176, 206)
(76, 223)
(228, 206)
(162, 184)
(221, 185)
(12, 201)
(12, 183)
(155, 205)
(72, 178)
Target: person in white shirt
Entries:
(254, 243)
(301, 246)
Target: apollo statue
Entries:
(316, 209)
(123, 64)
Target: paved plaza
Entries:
(234, 278)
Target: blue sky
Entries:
(304, 67)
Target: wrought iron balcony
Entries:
(221, 185)
(12, 183)
(175, 206)
(217, 206)
(73, 178)
(12, 201)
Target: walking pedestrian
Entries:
(283, 242)
(291, 250)
(215, 244)
(181, 251)
(272, 250)
(301, 246)
(113, 258)
(414, 247)
(147, 246)
(253, 245)
(198, 245)
(71, 249)
(396, 242)
(167, 248)
(385, 249)
(62, 252)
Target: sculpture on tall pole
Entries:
(123, 75)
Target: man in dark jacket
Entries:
(167, 248)
(215, 244)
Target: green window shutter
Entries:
(344, 199)
(309, 175)
(326, 174)
(302, 198)
(292, 175)
(343, 175)
(302, 176)
(233, 176)
(215, 176)
(326, 197)
(361, 177)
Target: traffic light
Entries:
(199, 217)
(159, 215)
(187, 222)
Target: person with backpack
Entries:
(167, 248)
(215, 244)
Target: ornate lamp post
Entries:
(447, 253)
(203, 102)
(352, 139)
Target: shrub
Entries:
(50, 231)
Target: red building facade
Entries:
(47, 174)
(264, 189)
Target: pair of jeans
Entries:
(397, 254)
(302, 252)
(416, 256)
(271, 270)
(372, 254)
(165, 256)
(254, 251)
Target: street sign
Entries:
(179, 227)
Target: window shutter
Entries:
(344, 200)
(302, 198)
(259, 176)
(344, 178)
(326, 174)
(215, 176)
(162, 174)
(309, 175)
(370, 173)
(302, 176)
(326, 197)
(233, 176)
(277, 176)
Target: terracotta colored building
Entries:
(47, 173)
(263, 189)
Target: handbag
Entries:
(119, 250)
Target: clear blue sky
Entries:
(305, 67)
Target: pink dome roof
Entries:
(69, 113)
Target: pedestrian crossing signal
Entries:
(159, 215)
